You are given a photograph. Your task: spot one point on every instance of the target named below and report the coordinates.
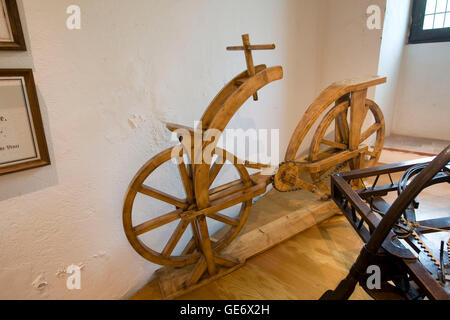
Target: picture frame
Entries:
(23, 144)
(11, 33)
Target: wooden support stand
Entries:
(172, 282)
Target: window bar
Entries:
(434, 13)
(445, 13)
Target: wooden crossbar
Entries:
(248, 48)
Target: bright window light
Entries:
(437, 15)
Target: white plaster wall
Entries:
(162, 60)
(395, 33)
(349, 48)
(422, 107)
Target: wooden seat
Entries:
(360, 83)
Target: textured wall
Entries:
(349, 48)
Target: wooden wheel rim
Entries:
(377, 128)
(381, 132)
(183, 259)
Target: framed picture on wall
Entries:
(11, 34)
(22, 139)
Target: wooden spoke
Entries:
(370, 131)
(372, 154)
(215, 169)
(206, 245)
(365, 111)
(196, 235)
(342, 126)
(190, 247)
(198, 271)
(225, 260)
(318, 138)
(151, 192)
(187, 182)
(337, 134)
(223, 187)
(157, 222)
(227, 191)
(334, 144)
(195, 242)
(223, 218)
(176, 236)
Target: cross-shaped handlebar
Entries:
(247, 48)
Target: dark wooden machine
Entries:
(413, 256)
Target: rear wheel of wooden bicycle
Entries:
(327, 142)
(183, 210)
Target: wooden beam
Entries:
(252, 47)
(151, 192)
(357, 115)
(333, 160)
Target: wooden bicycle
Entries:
(205, 202)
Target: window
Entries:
(430, 21)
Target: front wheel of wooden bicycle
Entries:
(332, 135)
(183, 246)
